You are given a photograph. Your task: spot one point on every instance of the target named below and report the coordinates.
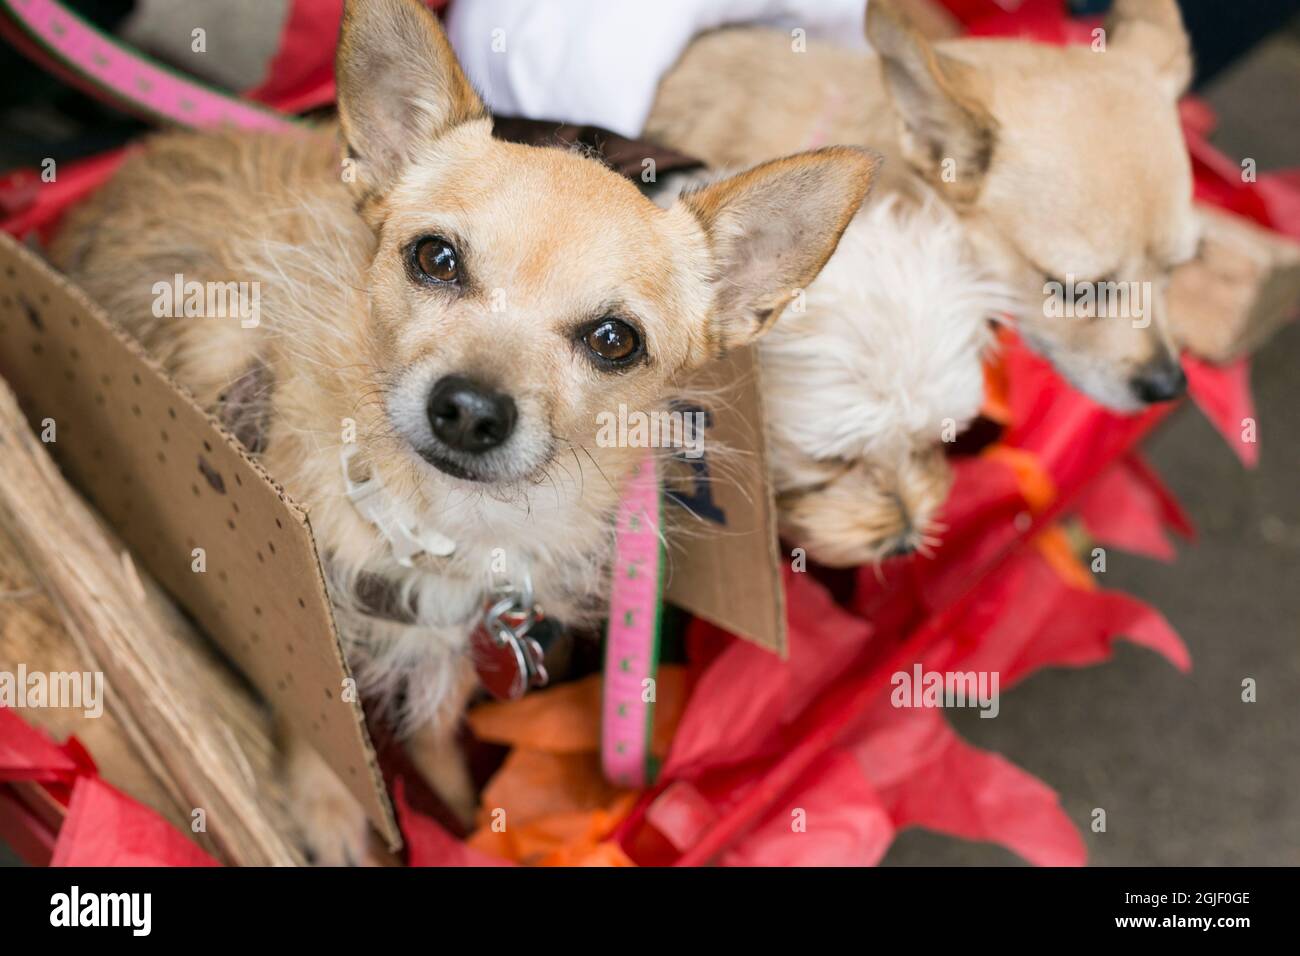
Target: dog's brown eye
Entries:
(437, 259)
(613, 340)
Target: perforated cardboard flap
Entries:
(724, 556)
(205, 519)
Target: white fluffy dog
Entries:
(867, 379)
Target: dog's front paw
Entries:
(438, 757)
(332, 827)
(457, 792)
(331, 832)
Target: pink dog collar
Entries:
(632, 635)
(133, 80)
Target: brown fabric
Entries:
(245, 407)
(380, 597)
(625, 156)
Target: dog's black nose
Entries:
(467, 416)
(1160, 382)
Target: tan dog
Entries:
(444, 315)
(1065, 164)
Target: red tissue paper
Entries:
(105, 827)
(102, 825)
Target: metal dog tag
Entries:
(508, 661)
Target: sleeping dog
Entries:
(1066, 165)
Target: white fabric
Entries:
(599, 61)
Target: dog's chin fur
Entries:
(555, 527)
(869, 510)
(484, 471)
(892, 334)
(448, 467)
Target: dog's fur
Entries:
(547, 240)
(1065, 162)
(865, 378)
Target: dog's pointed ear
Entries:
(399, 84)
(771, 229)
(947, 134)
(1153, 30)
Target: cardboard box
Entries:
(170, 480)
(724, 555)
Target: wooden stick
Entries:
(192, 722)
